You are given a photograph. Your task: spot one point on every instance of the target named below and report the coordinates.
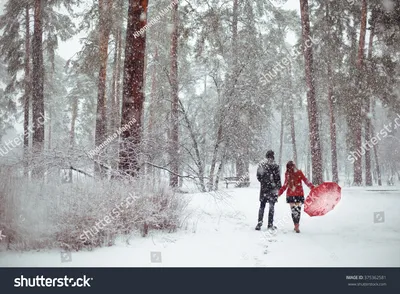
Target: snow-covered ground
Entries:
(220, 233)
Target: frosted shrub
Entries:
(84, 214)
(161, 209)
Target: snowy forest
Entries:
(152, 100)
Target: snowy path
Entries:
(221, 233)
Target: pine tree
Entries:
(38, 84)
(133, 96)
(316, 156)
(105, 7)
(356, 109)
(16, 59)
(174, 151)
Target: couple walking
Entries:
(268, 174)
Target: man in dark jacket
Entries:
(268, 174)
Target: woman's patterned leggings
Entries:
(296, 213)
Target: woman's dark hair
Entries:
(290, 173)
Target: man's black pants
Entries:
(270, 213)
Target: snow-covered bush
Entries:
(83, 214)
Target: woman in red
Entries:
(295, 193)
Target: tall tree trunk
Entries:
(376, 155)
(357, 114)
(235, 33)
(331, 102)
(49, 128)
(315, 144)
(174, 147)
(118, 96)
(239, 162)
(368, 174)
(153, 96)
(152, 108)
(292, 123)
(219, 171)
(282, 130)
(50, 108)
(309, 163)
(133, 97)
(242, 161)
(363, 30)
(37, 88)
(368, 163)
(215, 154)
(293, 131)
(27, 89)
(371, 127)
(119, 84)
(113, 113)
(101, 113)
(113, 120)
(74, 116)
(334, 158)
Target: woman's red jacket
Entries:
(296, 188)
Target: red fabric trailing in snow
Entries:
(297, 188)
